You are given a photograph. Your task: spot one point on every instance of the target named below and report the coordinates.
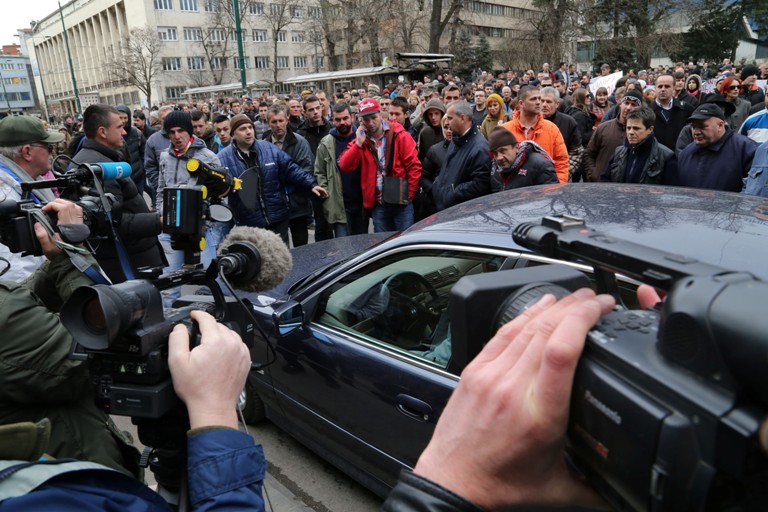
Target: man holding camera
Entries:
(38, 380)
(25, 155)
(47, 407)
(137, 227)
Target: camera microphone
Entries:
(106, 171)
(254, 259)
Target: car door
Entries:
(363, 380)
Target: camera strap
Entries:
(76, 254)
(122, 254)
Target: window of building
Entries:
(297, 37)
(314, 12)
(256, 8)
(319, 61)
(217, 35)
(193, 34)
(276, 9)
(188, 5)
(211, 5)
(262, 62)
(299, 62)
(259, 36)
(282, 36)
(297, 11)
(164, 5)
(174, 93)
(282, 62)
(135, 97)
(218, 63)
(171, 63)
(196, 63)
(166, 33)
(236, 62)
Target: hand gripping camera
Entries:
(669, 410)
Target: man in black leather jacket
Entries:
(137, 226)
(499, 442)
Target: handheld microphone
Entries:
(254, 259)
(106, 171)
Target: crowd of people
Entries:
(389, 156)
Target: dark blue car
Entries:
(360, 331)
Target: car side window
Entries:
(400, 301)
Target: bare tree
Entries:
(137, 62)
(438, 21)
(218, 38)
(280, 15)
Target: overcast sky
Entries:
(19, 16)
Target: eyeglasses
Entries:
(49, 147)
(734, 87)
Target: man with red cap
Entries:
(390, 168)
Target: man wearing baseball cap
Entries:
(25, 155)
(388, 160)
(719, 158)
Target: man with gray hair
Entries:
(466, 171)
(25, 156)
(569, 128)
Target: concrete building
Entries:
(197, 48)
(17, 92)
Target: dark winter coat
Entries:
(720, 166)
(533, 168)
(137, 226)
(135, 143)
(466, 171)
(297, 148)
(652, 163)
(669, 123)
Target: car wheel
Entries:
(251, 405)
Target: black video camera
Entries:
(669, 409)
(122, 331)
(17, 221)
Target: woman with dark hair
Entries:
(730, 87)
(693, 86)
(601, 104)
(580, 111)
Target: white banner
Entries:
(608, 81)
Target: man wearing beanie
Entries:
(266, 171)
(750, 91)
(173, 173)
(518, 165)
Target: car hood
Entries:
(313, 257)
(720, 228)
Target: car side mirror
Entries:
(289, 318)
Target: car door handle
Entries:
(414, 407)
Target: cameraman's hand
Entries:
(500, 439)
(210, 377)
(66, 212)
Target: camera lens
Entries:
(526, 297)
(93, 316)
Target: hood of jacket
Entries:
(126, 110)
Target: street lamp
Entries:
(69, 58)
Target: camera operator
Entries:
(25, 156)
(38, 379)
(225, 468)
(500, 440)
(137, 226)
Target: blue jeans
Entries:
(214, 234)
(392, 217)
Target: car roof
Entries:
(720, 228)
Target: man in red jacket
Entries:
(390, 168)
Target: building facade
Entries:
(17, 92)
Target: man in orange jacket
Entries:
(528, 123)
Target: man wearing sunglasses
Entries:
(25, 155)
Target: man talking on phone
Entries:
(390, 168)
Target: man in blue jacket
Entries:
(266, 172)
(720, 158)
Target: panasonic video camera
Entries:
(669, 410)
